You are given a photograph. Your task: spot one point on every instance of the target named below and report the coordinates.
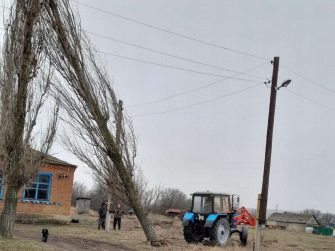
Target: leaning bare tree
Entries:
(103, 169)
(24, 80)
(89, 99)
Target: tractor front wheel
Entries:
(244, 236)
(190, 234)
(220, 232)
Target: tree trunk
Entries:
(9, 212)
(12, 144)
(129, 186)
(141, 214)
(114, 154)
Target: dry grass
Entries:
(85, 236)
(18, 245)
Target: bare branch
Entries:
(91, 106)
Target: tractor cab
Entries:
(207, 203)
(215, 216)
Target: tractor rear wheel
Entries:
(220, 232)
(190, 234)
(244, 236)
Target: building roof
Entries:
(55, 161)
(48, 160)
(292, 218)
(210, 193)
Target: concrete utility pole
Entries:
(268, 150)
(258, 227)
(119, 118)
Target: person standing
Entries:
(102, 216)
(117, 217)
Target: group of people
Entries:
(118, 212)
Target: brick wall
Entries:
(61, 192)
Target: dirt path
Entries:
(60, 242)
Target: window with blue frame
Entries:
(40, 188)
(1, 186)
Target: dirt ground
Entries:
(85, 236)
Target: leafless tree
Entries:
(98, 195)
(310, 211)
(173, 198)
(150, 197)
(90, 101)
(25, 81)
(323, 218)
(78, 190)
(327, 218)
(103, 169)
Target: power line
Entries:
(198, 103)
(167, 54)
(170, 32)
(173, 67)
(309, 80)
(191, 90)
(176, 68)
(311, 100)
(4, 7)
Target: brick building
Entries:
(50, 193)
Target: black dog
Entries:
(45, 234)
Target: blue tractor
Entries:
(216, 216)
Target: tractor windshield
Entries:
(202, 204)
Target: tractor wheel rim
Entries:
(221, 234)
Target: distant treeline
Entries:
(154, 200)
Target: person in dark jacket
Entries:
(117, 217)
(102, 216)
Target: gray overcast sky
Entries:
(220, 145)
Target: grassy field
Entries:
(85, 236)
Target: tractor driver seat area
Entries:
(208, 205)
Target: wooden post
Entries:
(108, 216)
(268, 148)
(263, 197)
(119, 118)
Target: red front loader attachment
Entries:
(244, 217)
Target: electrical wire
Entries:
(308, 79)
(197, 62)
(168, 54)
(4, 7)
(311, 100)
(170, 32)
(198, 103)
(192, 90)
(174, 67)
